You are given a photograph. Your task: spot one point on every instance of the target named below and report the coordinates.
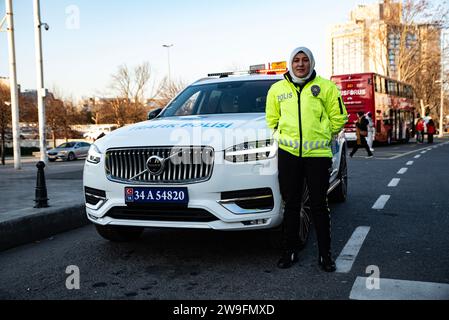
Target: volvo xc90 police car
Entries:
(207, 160)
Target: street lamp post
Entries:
(41, 92)
(168, 46)
(13, 84)
(442, 82)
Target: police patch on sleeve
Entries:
(316, 90)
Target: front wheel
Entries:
(71, 157)
(389, 138)
(119, 233)
(407, 136)
(339, 194)
(305, 216)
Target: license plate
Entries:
(156, 195)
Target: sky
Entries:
(89, 39)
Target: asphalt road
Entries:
(406, 240)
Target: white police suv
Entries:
(207, 160)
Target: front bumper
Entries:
(56, 157)
(206, 196)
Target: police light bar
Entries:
(270, 71)
(225, 74)
(273, 68)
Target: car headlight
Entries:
(251, 151)
(94, 155)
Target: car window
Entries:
(67, 145)
(220, 98)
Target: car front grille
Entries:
(182, 165)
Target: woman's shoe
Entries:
(289, 257)
(327, 264)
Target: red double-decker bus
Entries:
(390, 102)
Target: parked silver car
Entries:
(69, 151)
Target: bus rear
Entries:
(357, 92)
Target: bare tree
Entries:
(129, 88)
(407, 45)
(167, 90)
(5, 118)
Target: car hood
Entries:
(218, 131)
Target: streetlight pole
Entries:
(442, 82)
(40, 80)
(168, 46)
(13, 84)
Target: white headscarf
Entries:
(309, 54)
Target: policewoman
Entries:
(305, 111)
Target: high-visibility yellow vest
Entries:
(305, 119)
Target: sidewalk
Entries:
(20, 222)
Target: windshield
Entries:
(67, 145)
(219, 98)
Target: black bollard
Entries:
(41, 188)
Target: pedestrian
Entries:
(419, 131)
(306, 111)
(371, 132)
(431, 130)
(361, 132)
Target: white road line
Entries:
(402, 171)
(405, 154)
(349, 253)
(410, 163)
(394, 182)
(418, 156)
(423, 151)
(391, 289)
(381, 202)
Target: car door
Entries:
(77, 150)
(85, 148)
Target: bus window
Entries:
(378, 83)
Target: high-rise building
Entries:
(376, 40)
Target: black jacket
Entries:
(362, 124)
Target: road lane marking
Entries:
(418, 156)
(381, 202)
(392, 289)
(410, 163)
(349, 253)
(394, 182)
(405, 154)
(402, 171)
(423, 151)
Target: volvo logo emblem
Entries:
(155, 165)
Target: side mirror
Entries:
(153, 114)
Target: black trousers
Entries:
(294, 172)
(363, 145)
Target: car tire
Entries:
(119, 233)
(71, 156)
(407, 136)
(276, 236)
(339, 194)
(389, 138)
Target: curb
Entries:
(29, 225)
